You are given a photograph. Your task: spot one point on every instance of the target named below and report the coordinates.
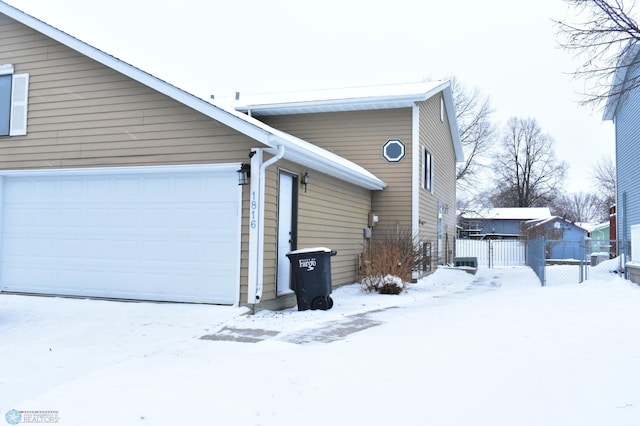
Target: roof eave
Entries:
(137, 74)
(235, 120)
(353, 174)
(453, 122)
(354, 104)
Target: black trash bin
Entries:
(311, 281)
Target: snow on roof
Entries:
(306, 153)
(600, 226)
(510, 213)
(538, 222)
(388, 96)
(296, 149)
(342, 99)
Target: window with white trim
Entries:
(442, 109)
(13, 102)
(427, 170)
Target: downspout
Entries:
(416, 180)
(256, 223)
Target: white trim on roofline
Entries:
(297, 150)
(347, 98)
(355, 99)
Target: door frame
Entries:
(287, 210)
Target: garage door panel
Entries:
(156, 236)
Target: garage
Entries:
(147, 233)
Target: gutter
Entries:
(256, 222)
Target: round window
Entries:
(393, 150)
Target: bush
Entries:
(389, 261)
(389, 284)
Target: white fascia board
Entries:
(351, 99)
(354, 104)
(453, 122)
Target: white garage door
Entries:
(150, 233)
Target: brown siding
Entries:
(359, 136)
(83, 114)
(436, 137)
(331, 213)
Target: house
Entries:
(117, 184)
(623, 107)
(407, 135)
(563, 239)
(498, 223)
(600, 238)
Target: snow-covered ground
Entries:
(455, 349)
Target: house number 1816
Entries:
(254, 206)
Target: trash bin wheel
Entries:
(322, 302)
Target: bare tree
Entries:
(604, 179)
(578, 207)
(604, 176)
(604, 32)
(527, 174)
(473, 113)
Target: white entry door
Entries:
(287, 232)
(168, 233)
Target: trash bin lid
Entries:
(311, 250)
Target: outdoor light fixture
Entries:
(244, 173)
(305, 180)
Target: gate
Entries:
(493, 253)
(558, 262)
(536, 258)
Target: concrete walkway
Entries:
(340, 328)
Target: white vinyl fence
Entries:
(493, 253)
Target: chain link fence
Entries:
(558, 262)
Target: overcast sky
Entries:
(505, 48)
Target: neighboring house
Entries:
(601, 239)
(623, 107)
(406, 135)
(563, 239)
(117, 184)
(498, 223)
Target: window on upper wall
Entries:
(13, 102)
(442, 109)
(427, 170)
